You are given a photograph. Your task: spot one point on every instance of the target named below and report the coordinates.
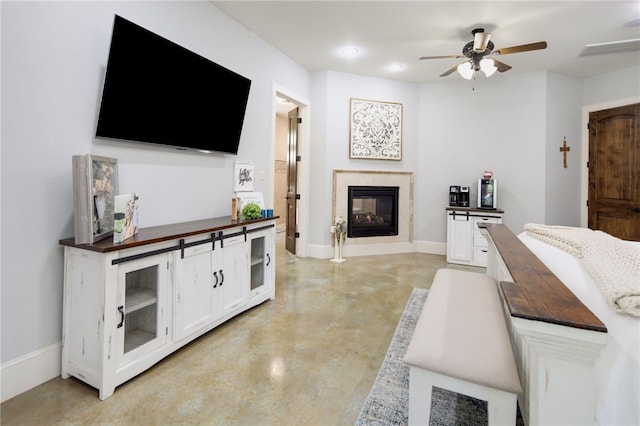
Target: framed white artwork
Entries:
(243, 177)
(376, 130)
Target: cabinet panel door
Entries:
(141, 304)
(234, 289)
(194, 299)
(460, 238)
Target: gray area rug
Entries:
(388, 400)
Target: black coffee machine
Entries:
(454, 196)
(458, 196)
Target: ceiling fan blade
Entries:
(502, 67)
(441, 57)
(449, 71)
(480, 41)
(522, 48)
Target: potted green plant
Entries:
(251, 211)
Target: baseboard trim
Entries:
(427, 247)
(377, 249)
(28, 371)
(316, 251)
(430, 247)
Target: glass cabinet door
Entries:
(262, 260)
(141, 314)
(257, 262)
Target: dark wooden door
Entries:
(614, 171)
(292, 183)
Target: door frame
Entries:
(584, 175)
(303, 169)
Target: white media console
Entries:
(129, 305)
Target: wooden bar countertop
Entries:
(536, 293)
(158, 234)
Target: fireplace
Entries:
(372, 211)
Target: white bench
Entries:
(461, 344)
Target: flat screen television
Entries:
(158, 92)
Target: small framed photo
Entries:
(376, 130)
(125, 221)
(244, 176)
(95, 184)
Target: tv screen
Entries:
(158, 92)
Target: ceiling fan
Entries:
(477, 52)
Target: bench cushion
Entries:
(462, 333)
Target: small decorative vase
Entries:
(339, 231)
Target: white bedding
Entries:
(614, 264)
(618, 368)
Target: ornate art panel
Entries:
(376, 130)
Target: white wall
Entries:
(608, 87)
(331, 93)
(467, 127)
(563, 118)
(452, 132)
(53, 62)
(511, 124)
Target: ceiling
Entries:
(312, 32)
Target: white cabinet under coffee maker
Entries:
(465, 244)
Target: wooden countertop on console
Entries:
(476, 210)
(536, 293)
(157, 234)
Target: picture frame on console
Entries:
(243, 176)
(95, 185)
(375, 130)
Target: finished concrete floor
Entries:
(309, 357)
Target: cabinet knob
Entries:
(268, 259)
(221, 277)
(215, 274)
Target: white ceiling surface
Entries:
(312, 32)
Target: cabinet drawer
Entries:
(480, 256)
(479, 240)
(486, 219)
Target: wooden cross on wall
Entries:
(564, 149)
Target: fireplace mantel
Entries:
(401, 243)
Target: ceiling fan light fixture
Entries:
(488, 67)
(465, 69)
(480, 40)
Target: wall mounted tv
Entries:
(158, 92)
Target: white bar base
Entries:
(501, 405)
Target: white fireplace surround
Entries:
(401, 243)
